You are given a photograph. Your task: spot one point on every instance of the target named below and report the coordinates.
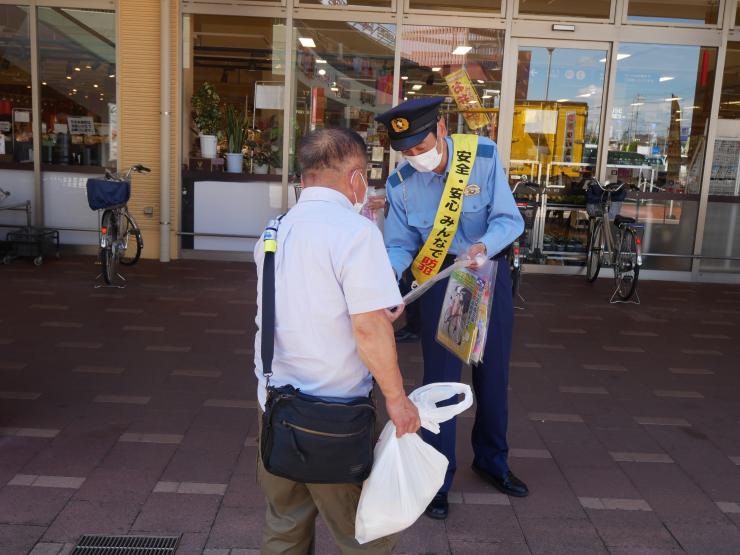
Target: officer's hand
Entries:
(475, 250)
(394, 313)
(404, 415)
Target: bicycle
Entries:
(119, 237)
(623, 252)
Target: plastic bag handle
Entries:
(425, 398)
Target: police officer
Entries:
(442, 208)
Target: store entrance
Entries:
(556, 138)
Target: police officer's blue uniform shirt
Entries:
(489, 216)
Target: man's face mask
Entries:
(358, 206)
(427, 161)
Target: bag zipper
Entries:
(318, 433)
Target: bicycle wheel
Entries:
(132, 242)
(109, 254)
(595, 250)
(626, 270)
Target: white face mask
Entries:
(358, 206)
(426, 161)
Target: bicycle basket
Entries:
(104, 193)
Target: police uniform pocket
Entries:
(420, 220)
(474, 218)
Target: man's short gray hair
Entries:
(330, 149)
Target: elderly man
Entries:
(333, 332)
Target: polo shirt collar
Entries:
(324, 194)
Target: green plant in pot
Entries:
(236, 137)
(206, 105)
(263, 157)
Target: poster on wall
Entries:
(113, 131)
(81, 125)
(268, 97)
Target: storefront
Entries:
(642, 91)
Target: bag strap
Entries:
(267, 350)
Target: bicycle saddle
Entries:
(620, 220)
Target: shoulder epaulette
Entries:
(485, 151)
(401, 173)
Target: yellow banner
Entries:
(466, 97)
(431, 256)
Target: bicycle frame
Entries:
(609, 238)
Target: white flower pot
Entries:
(234, 162)
(261, 170)
(208, 146)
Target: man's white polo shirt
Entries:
(330, 263)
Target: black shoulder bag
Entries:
(306, 438)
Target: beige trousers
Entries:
(292, 508)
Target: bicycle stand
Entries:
(100, 282)
(634, 299)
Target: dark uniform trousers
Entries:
(490, 378)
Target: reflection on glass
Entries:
(557, 115)
(492, 7)
(461, 64)
(661, 109)
(16, 136)
(729, 106)
(657, 140)
(344, 78)
(691, 12)
(77, 69)
(566, 8)
(243, 59)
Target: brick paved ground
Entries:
(133, 411)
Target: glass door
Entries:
(557, 121)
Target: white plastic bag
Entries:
(407, 472)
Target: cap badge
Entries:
(472, 190)
(399, 125)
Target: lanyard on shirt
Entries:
(431, 256)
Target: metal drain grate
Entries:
(126, 545)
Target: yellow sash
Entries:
(429, 260)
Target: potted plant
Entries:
(262, 156)
(236, 136)
(206, 117)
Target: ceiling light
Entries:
(319, 61)
(472, 102)
(322, 72)
(307, 42)
(74, 90)
(335, 89)
(77, 68)
(112, 75)
(95, 86)
(619, 57)
(28, 86)
(436, 69)
(637, 104)
(461, 50)
(666, 78)
(88, 66)
(416, 87)
(562, 100)
(69, 77)
(411, 92)
(404, 77)
(43, 82)
(485, 96)
(481, 81)
(676, 98)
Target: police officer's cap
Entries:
(411, 121)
